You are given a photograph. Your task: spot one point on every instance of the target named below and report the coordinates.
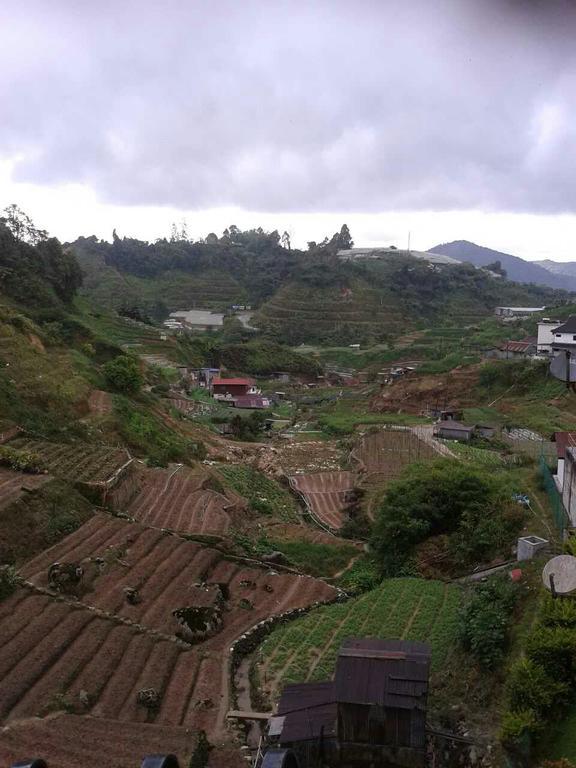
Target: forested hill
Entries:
(517, 269)
(299, 295)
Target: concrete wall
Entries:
(569, 486)
(546, 336)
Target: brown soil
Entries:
(415, 394)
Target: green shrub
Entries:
(471, 505)
(485, 620)
(8, 581)
(517, 725)
(123, 374)
(530, 687)
(24, 461)
(558, 612)
(554, 649)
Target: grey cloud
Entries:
(295, 106)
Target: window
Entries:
(558, 335)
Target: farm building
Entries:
(226, 388)
(453, 430)
(512, 350)
(373, 713)
(443, 413)
(515, 312)
(545, 337)
(565, 335)
(251, 401)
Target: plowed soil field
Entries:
(14, 484)
(177, 501)
(91, 655)
(326, 495)
(79, 462)
(166, 572)
(73, 741)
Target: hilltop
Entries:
(517, 269)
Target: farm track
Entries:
(14, 484)
(326, 495)
(85, 650)
(176, 500)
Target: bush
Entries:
(8, 581)
(554, 649)
(485, 620)
(472, 505)
(23, 461)
(530, 688)
(517, 725)
(123, 374)
(558, 612)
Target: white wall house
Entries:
(546, 330)
(565, 335)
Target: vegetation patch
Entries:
(266, 496)
(411, 609)
(446, 515)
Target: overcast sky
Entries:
(451, 119)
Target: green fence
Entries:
(558, 511)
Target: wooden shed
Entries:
(372, 713)
(381, 689)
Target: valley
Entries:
(166, 554)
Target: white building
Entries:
(516, 312)
(546, 334)
(565, 335)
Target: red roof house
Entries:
(233, 387)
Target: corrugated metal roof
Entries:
(517, 346)
(389, 673)
(251, 401)
(233, 382)
(568, 327)
(309, 710)
(457, 426)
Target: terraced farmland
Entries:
(177, 501)
(77, 741)
(406, 608)
(56, 653)
(14, 484)
(381, 456)
(80, 462)
(264, 494)
(326, 495)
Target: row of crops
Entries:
(475, 455)
(405, 608)
(264, 494)
(80, 462)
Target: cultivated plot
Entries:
(326, 494)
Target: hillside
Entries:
(299, 296)
(559, 267)
(517, 269)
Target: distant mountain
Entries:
(518, 269)
(558, 267)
